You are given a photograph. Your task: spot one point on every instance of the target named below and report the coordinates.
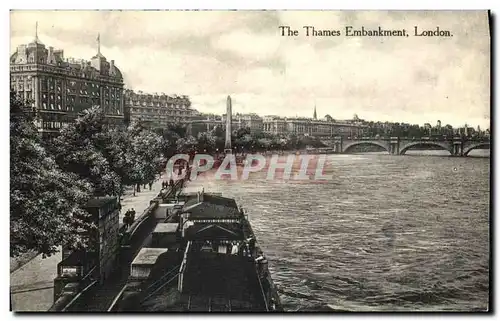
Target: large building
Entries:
(301, 126)
(274, 125)
(252, 121)
(59, 89)
(157, 110)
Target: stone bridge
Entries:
(457, 146)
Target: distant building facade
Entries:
(301, 126)
(59, 89)
(251, 121)
(157, 110)
(274, 125)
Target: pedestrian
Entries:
(126, 219)
(132, 215)
(150, 185)
(171, 182)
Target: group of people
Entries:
(129, 217)
(166, 184)
(246, 247)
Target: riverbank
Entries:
(31, 284)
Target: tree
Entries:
(116, 153)
(169, 136)
(219, 133)
(143, 154)
(206, 142)
(46, 204)
(187, 145)
(81, 149)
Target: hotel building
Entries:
(157, 110)
(59, 89)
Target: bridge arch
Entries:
(356, 143)
(405, 148)
(474, 146)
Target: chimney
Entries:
(50, 55)
(111, 65)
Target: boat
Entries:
(204, 256)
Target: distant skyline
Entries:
(210, 54)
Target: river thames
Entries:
(387, 233)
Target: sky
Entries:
(208, 55)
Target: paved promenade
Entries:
(32, 284)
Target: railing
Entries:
(264, 297)
(161, 282)
(78, 295)
(86, 282)
(117, 299)
(426, 138)
(183, 267)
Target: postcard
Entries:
(250, 161)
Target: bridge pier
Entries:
(458, 147)
(394, 146)
(337, 145)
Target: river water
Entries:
(387, 233)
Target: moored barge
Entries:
(204, 257)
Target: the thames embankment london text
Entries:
(350, 31)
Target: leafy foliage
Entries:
(81, 149)
(243, 140)
(187, 145)
(46, 204)
(142, 153)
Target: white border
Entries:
(199, 4)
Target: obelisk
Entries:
(229, 118)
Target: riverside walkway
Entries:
(31, 286)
